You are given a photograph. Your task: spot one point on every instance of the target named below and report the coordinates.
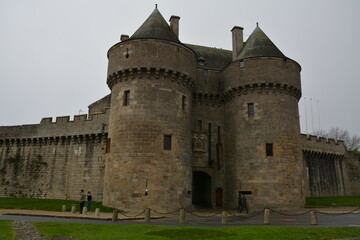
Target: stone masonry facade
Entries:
(184, 126)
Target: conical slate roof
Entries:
(155, 27)
(259, 45)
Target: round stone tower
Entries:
(148, 163)
(263, 145)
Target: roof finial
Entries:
(155, 5)
(257, 24)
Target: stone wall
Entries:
(330, 170)
(209, 144)
(351, 168)
(54, 159)
(63, 126)
(100, 106)
(52, 167)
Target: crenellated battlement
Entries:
(77, 118)
(62, 126)
(262, 88)
(312, 143)
(150, 73)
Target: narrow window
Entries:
(167, 142)
(251, 112)
(206, 72)
(269, 149)
(242, 64)
(126, 98)
(183, 102)
(219, 137)
(107, 149)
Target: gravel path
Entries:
(26, 231)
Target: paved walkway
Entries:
(327, 217)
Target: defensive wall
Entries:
(54, 159)
(329, 169)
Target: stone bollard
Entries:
(73, 208)
(224, 217)
(313, 218)
(115, 216)
(63, 208)
(267, 216)
(97, 212)
(84, 211)
(182, 216)
(147, 215)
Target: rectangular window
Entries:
(183, 102)
(269, 149)
(126, 98)
(167, 142)
(251, 112)
(206, 73)
(107, 149)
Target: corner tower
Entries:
(263, 151)
(149, 160)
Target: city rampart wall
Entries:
(54, 159)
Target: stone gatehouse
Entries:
(190, 125)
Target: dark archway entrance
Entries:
(201, 189)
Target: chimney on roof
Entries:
(237, 41)
(174, 24)
(124, 37)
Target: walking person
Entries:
(89, 200)
(82, 200)
(242, 203)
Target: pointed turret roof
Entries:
(155, 27)
(259, 45)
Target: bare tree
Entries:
(352, 143)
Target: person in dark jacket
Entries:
(242, 205)
(82, 200)
(89, 200)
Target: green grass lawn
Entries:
(114, 232)
(332, 201)
(46, 204)
(6, 230)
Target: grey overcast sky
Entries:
(53, 53)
